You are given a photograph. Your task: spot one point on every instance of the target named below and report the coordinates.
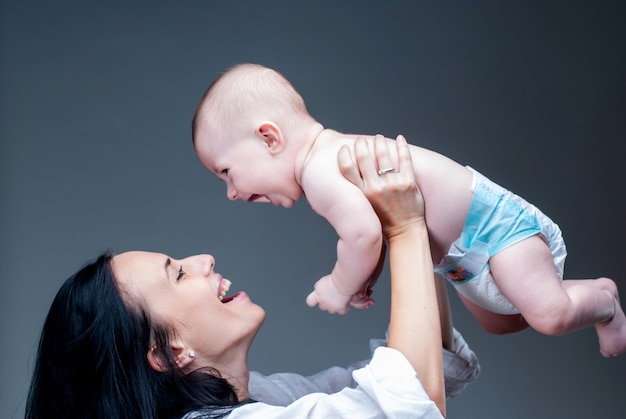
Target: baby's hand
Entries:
(328, 297)
(362, 299)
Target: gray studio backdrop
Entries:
(96, 105)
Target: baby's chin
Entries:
(288, 201)
(277, 202)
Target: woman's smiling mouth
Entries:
(223, 289)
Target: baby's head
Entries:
(244, 95)
(246, 130)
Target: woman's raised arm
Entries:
(414, 327)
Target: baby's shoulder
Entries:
(323, 152)
(331, 141)
(320, 173)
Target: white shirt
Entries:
(387, 386)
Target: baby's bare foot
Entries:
(612, 334)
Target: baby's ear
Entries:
(272, 137)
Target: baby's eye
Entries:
(181, 273)
(225, 172)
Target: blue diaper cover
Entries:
(496, 220)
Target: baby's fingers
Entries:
(311, 299)
(362, 304)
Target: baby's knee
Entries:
(551, 327)
(552, 322)
(607, 284)
(550, 316)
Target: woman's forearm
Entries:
(415, 328)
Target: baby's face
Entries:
(250, 171)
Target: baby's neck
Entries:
(307, 142)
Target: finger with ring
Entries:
(386, 170)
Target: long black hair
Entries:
(92, 359)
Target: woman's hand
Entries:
(394, 194)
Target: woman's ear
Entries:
(272, 137)
(181, 357)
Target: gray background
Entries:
(96, 104)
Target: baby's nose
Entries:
(231, 193)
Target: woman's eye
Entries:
(181, 273)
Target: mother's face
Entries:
(187, 295)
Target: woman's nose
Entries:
(204, 264)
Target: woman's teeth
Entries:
(225, 287)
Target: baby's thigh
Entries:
(526, 275)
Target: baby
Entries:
(504, 257)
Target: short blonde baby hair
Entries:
(247, 92)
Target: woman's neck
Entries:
(238, 378)
(240, 384)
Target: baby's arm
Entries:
(360, 244)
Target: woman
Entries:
(141, 335)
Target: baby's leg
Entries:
(526, 275)
(498, 324)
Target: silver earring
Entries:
(192, 354)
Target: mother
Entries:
(142, 335)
